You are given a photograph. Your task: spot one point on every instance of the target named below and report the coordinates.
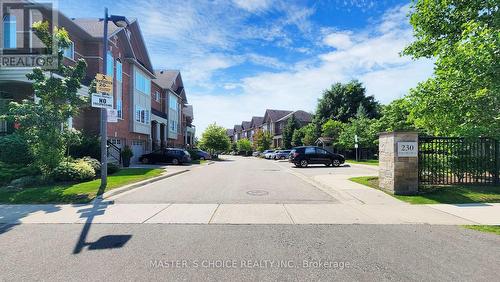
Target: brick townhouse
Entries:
(151, 114)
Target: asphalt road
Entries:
(126, 252)
(234, 181)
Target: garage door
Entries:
(138, 150)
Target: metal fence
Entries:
(454, 160)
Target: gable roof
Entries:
(256, 121)
(133, 36)
(171, 79)
(301, 116)
(230, 132)
(245, 125)
(275, 115)
(95, 26)
(237, 128)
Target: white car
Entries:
(268, 154)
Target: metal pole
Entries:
(104, 116)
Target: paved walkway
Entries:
(106, 212)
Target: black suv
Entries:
(166, 155)
(304, 156)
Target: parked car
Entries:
(282, 154)
(268, 154)
(306, 155)
(256, 153)
(166, 155)
(202, 155)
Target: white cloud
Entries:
(253, 5)
(371, 55)
(339, 40)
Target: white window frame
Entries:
(157, 96)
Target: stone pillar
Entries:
(398, 162)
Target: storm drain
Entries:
(258, 193)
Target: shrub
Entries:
(113, 168)
(89, 146)
(95, 164)
(27, 181)
(14, 150)
(9, 172)
(73, 171)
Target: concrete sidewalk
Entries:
(106, 212)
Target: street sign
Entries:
(103, 83)
(356, 138)
(102, 101)
(112, 115)
(356, 146)
(407, 149)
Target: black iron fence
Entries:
(454, 160)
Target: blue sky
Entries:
(240, 57)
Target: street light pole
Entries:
(104, 113)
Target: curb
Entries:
(129, 187)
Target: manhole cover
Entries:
(257, 193)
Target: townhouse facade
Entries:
(255, 125)
(152, 106)
(273, 122)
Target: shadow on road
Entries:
(105, 242)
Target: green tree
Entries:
(262, 140)
(463, 96)
(342, 101)
(244, 145)
(332, 128)
(362, 126)
(309, 132)
(43, 124)
(396, 117)
(297, 137)
(214, 139)
(288, 131)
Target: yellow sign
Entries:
(104, 83)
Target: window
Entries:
(321, 152)
(173, 103)
(119, 77)
(9, 29)
(69, 52)
(142, 83)
(157, 96)
(173, 125)
(110, 64)
(310, 151)
(142, 115)
(138, 114)
(119, 71)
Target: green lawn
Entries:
(75, 193)
(443, 194)
(485, 228)
(366, 162)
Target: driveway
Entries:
(237, 180)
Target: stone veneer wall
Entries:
(397, 175)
